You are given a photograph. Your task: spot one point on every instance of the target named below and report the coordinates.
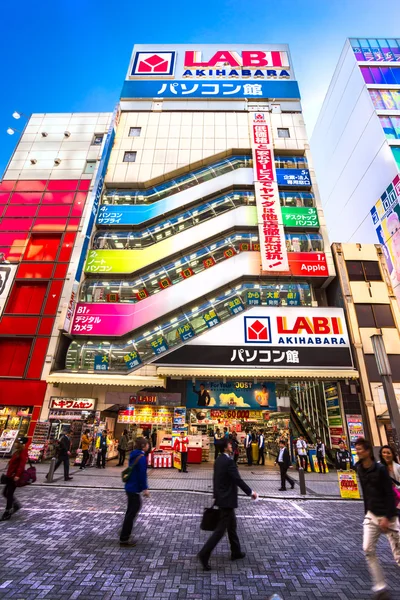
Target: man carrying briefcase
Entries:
(226, 483)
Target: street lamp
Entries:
(385, 373)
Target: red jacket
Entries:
(17, 463)
(181, 444)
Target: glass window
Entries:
(388, 128)
(377, 99)
(366, 73)
(97, 139)
(372, 271)
(135, 131)
(383, 316)
(396, 126)
(396, 154)
(283, 132)
(355, 270)
(130, 156)
(365, 316)
(377, 75)
(90, 166)
(388, 76)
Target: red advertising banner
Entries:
(271, 233)
(308, 264)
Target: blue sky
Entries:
(73, 55)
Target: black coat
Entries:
(377, 490)
(204, 397)
(64, 446)
(226, 482)
(286, 459)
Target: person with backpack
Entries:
(15, 469)
(135, 479)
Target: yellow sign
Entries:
(348, 484)
(315, 463)
(177, 460)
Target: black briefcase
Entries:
(210, 519)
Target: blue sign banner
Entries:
(211, 89)
(293, 177)
(100, 362)
(123, 214)
(159, 345)
(186, 332)
(234, 394)
(132, 360)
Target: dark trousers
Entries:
(134, 505)
(227, 522)
(303, 461)
(216, 449)
(235, 457)
(122, 455)
(321, 464)
(8, 493)
(184, 461)
(101, 457)
(64, 459)
(249, 456)
(85, 458)
(261, 456)
(284, 476)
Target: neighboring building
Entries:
(44, 197)
(363, 288)
(356, 148)
(209, 261)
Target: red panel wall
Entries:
(38, 224)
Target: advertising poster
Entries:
(126, 415)
(355, 427)
(177, 461)
(348, 485)
(386, 217)
(7, 440)
(234, 395)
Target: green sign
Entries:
(117, 261)
(299, 216)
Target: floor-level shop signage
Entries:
(7, 276)
(293, 177)
(300, 216)
(290, 337)
(348, 485)
(132, 359)
(308, 264)
(126, 414)
(144, 398)
(234, 394)
(270, 228)
(355, 427)
(103, 319)
(63, 403)
(100, 362)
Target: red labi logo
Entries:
(257, 329)
(154, 63)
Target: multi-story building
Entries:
(356, 148)
(209, 259)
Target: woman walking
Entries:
(15, 469)
(122, 448)
(137, 483)
(389, 458)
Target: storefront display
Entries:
(38, 447)
(7, 440)
(160, 459)
(15, 418)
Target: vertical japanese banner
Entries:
(269, 214)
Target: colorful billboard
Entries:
(300, 216)
(233, 394)
(270, 229)
(386, 217)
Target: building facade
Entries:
(356, 148)
(208, 261)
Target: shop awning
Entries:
(126, 381)
(207, 372)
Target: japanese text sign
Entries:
(299, 216)
(72, 403)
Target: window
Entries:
(391, 127)
(90, 166)
(14, 355)
(130, 156)
(374, 315)
(283, 132)
(135, 131)
(363, 271)
(26, 298)
(43, 248)
(385, 99)
(97, 139)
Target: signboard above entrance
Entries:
(234, 395)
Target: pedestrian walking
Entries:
(261, 448)
(301, 446)
(154, 438)
(181, 445)
(343, 457)
(134, 486)
(102, 445)
(388, 457)
(122, 448)
(284, 463)
(15, 469)
(235, 446)
(217, 440)
(380, 513)
(64, 452)
(85, 445)
(226, 483)
(247, 445)
(321, 453)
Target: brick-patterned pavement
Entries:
(63, 544)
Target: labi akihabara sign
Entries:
(233, 395)
(233, 71)
(272, 338)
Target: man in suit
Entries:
(261, 448)
(247, 444)
(203, 396)
(64, 452)
(283, 461)
(226, 483)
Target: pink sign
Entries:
(103, 319)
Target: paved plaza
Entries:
(63, 544)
